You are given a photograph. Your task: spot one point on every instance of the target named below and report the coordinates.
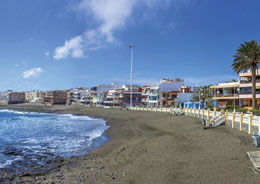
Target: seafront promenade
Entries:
(243, 122)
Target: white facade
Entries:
(78, 96)
(34, 96)
(152, 92)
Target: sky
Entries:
(62, 44)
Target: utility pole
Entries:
(131, 75)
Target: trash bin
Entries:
(256, 139)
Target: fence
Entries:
(243, 122)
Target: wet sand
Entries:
(149, 147)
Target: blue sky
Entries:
(61, 44)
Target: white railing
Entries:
(243, 122)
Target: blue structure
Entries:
(196, 105)
(213, 102)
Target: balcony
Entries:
(248, 96)
(225, 96)
(249, 93)
(249, 81)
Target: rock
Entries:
(101, 167)
(11, 151)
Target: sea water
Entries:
(35, 138)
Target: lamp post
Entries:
(131, 75)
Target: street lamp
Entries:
(131, 75)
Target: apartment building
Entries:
(145, 94)
(162, 93)
(245, 89)
(96, 93)
(120, 97)
(238, 93)
(226, 93)
(78, 96)
(56, 97)
(16, 97)
(34, 96)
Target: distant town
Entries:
(166, 93)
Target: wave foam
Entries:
(41, 133)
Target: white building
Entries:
(96, 92)
(34, 96)
(152, 92)
(78, 96)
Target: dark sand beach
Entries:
(153, 148)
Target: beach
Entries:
(149, 147)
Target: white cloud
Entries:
(108, 16)
(111, 14)
(34, 72)
(73, 47)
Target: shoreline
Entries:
(147, 147)
(10, 172)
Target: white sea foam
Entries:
(39, 133)
(8, 162)
(76, 117)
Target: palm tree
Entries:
(205, 94)
(248, 58)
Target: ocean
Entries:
(29, 139)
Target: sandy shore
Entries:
(157, 148)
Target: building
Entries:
(238, 93)
(34, 96)
(167, 98)
(78, 96)
(4, 96)
(145, 94)
(56, 97)
(16, 98)
(186, 94)
(96, 93)
(120, 97)
(245, 89)
(226, 93)
(162, 93)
